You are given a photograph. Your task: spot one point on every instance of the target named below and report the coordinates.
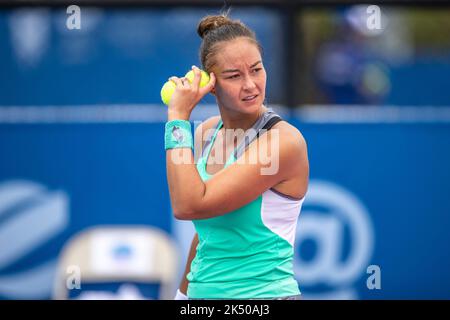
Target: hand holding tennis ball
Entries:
(203, 81)
(169, 87)
(166, 92)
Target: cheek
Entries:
(226, 90)
(220, 88)
(221, 93)
(262, 83)
(263, 79)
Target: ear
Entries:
(213, 91)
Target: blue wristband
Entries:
(178, 135)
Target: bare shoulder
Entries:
(294, 164)
(290, 135)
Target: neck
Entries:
(237, 120)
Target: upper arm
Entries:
(276, 156)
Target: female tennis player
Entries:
(244, 207)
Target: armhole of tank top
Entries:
(210, 141)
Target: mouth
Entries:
(250, 98)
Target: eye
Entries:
(256, 70)
(234, 76)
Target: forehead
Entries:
(237, 53)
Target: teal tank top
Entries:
(246, 253)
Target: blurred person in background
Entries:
(348, 70)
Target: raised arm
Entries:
(236, 185)
(239, 183)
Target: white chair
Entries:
(105, 254)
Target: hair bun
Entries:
(209, 23)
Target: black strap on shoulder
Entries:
(263, 124)
(273, 121)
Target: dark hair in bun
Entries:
(219, 28)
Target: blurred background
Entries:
(84, 203)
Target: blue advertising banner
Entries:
(378, 200)
(373, 225)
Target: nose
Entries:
(249, 84)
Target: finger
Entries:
(185, 82)
(210, 85)
(197, 77)
(177, 81)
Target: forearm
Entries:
(184, 281)
(185, 184)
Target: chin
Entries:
(248, 109)
(251, 107)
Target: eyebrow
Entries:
(237, 70)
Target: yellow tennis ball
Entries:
(203, 81)
(166, 92)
